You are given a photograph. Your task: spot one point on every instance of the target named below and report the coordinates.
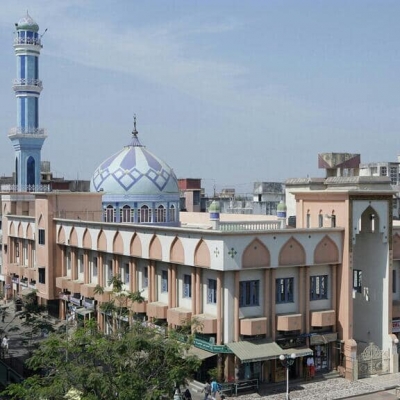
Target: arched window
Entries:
(126, 214)
(144, 214)
(160, 214)
(109, 214)
(30, 172)
(172, 213)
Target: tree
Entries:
(140, 364)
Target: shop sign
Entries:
(212, 348)
(396, 326)
(292, 342)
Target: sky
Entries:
(232, 92)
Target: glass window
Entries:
(318, 287)
(212, 291)
(126, 276)
(284, 290)
(394, 281)
(187, 286)
(308, 220)
(249, 293)
(42, 237)
(164, 281)
(160, 214)
(94, 273)
(144, 214)
(127, 214)
(145, 277)
(172, 214)
(42, 275)
(320, 220)
(109, 214)
(357, 280)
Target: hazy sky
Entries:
(228, 91)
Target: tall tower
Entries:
(27, 138)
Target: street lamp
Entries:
(287, 361)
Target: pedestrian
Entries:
(3, 316)
(187, 395)
(206, 390)
(4, 344)
(214, 388)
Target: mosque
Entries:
(327, 289)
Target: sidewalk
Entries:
(321, 389)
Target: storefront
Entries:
(322, 347)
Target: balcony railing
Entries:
(33, 41)
(27, 132)
(251, 226)
(25, 188)
(27, 84)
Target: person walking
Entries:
(4, 344)
(207, 390)
(214, 388)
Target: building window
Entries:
(333, 221)
(357, 280)
(144, 214)
(393, 175)
(318, 287)
(284, 290)
(145, 277)
(212, 291)
(160, 214)
(187, 286)
(109, 214)
(16, 249)
(164, 281)
(172, 213)
(109, 272)
(127, 214)
(81, 264)
(125, 274)
(320, 220)
(308, 220)
(42, 275)
(94, 266)
(249, 293)
(42, 239)
(383, 171)
(394, 281)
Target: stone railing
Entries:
(25, 188)
(27, 132)
(27, 82)
(34, 41)
(252, 226)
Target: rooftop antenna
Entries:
(43, 33)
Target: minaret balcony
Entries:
(28, 42)
(30, 85)
(32, 133)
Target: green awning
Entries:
(200, 353)
(255, 351)
(263, 350)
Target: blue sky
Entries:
(228, 91)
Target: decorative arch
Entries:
(118, 244)
(155, 248)
(20, 231)
(12, 229)
(29, 232)
(396, 247)
(326, 252)
(73, 238)
(102, 241)
(177, 253)
(61, 235)
(87, 240)
(292, 253)
(202, 255)
(256, 255)
(136, 246)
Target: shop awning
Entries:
(300, 352)
(200, 353)
(255, 351)
(26, 292)
(263, 350)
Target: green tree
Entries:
(140, 364)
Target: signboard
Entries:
(212, 348)
(323, 339)
(396, 326)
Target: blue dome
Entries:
(134, 171)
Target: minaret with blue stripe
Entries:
(27, 138)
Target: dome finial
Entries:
(134, 132)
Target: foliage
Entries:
(117, 308)
(140, 364)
